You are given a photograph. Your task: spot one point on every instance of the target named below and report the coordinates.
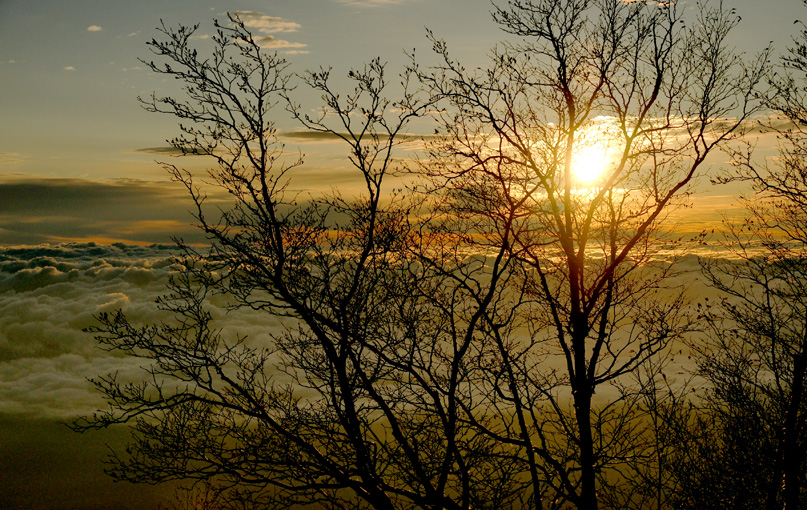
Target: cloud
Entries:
(69, 68)
(319, 136)
(164, 151)
(160, 151)
(273, 42)
(7, 158)
(369, 3)
(49, 293)
(42, 210)
(268, 25)
(94, 28)
(54, 210)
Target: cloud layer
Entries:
(266, 26)
(36, 211)
(369, 3)
(49, 293)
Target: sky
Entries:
(76, 148)
(77, 164)
(74, 140)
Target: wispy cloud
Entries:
(369, 3)
(7, 158)
(267, 24)
(94, 28)
(319, 136)
(274, 43)
(162, 151)
(44, 210)
(264, 26)
(69, 68)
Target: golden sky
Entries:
(77, 152)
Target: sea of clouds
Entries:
(50, 293)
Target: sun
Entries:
(590, 163)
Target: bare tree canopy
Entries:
(443, 345)
(755, 356)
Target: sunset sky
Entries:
(74, 140)
(76, 149)
(77, 164)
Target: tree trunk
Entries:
(588, 485)
(791, 454)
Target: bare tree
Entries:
(756, 355)
(441, 350)
(654, 97)
(356, 402)
(272, 255)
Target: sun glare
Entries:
(590, 163)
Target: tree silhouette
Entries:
(441, 347)
(661, 96)
(756, 355)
